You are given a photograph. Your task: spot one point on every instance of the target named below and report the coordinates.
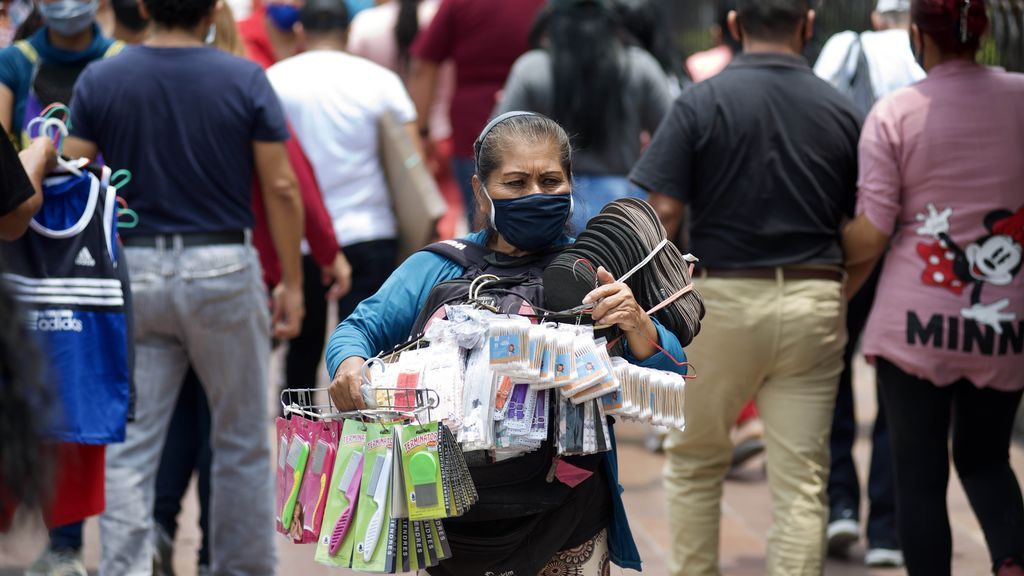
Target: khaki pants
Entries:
(781, 343)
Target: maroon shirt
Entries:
(484, 38)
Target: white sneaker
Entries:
(842, 534)
(883, 558)
(655, 439)
(57, 563)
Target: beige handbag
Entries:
(416, 199)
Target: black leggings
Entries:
(920, 415)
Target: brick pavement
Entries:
(745, 519)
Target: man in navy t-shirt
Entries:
(193, 125)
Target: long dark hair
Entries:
(30, 26)
(586, 61)
(406, 29)
(25, 465)
(647, 24)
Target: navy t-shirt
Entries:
(183, 121)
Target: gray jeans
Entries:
(205, 306)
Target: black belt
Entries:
(190, 240)
(788, 273)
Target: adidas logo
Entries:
(85, 258)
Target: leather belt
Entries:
(788, 273)
(187, 240)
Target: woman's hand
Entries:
(346, 392)
(615, 305)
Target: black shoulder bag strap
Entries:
(471, 255)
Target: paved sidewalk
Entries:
(745, 519)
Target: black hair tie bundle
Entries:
(619, 238)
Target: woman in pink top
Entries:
(941, 180)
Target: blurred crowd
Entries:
(868, 202)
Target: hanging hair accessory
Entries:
(120, 179)
(56, 108)
(133, 218)
(965, 27)
(43, 126)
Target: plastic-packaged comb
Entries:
(313, 495)
(282, 485)
(337, 539)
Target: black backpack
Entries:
(516, 487)
(858, 87)
(519, 290)
(516, 495)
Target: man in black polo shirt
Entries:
(765, 157)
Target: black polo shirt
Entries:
(765, 157)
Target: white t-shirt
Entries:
(891, 62)
(333, 101)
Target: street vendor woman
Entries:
(529, 520)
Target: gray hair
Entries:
(523, 129)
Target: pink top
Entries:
(709, 63)
(941, 168)
(372, 36)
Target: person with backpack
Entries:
(873, 64)
(43, 68)
(523, 185)
(865, 67)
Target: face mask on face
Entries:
(284, 16)
(532, 222)
(68, 17)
